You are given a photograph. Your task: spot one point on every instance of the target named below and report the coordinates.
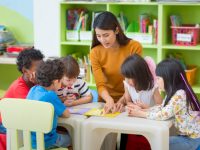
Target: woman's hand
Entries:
(109, 107)
(119, 107)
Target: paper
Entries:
(99, 112)
(79, 111)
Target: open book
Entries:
(99, 112)
(92, 112)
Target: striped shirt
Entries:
(79, 89)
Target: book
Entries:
(99, 112)
(79, 111)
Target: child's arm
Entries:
(157, 97)
(66, 113)
(82, 100)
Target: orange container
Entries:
(191, 73)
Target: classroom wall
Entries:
(17, 15)
(46, 29)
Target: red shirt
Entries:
(18, 89)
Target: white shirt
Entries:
(144, 96)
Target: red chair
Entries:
(137, 142)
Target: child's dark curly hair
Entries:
(26, 57)
(48, 71)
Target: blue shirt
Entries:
(39, 93)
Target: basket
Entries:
(187, 35)
(191, 73)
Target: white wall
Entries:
(46, 26)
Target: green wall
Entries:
(22, 28)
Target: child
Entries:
(139, 83)
(74, 90)
(49, 75)
(180, 104)
(140, 90)
(27, 62)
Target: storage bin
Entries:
(191, 74)
(85, 35)
(144, 38)
(187, 35)
(72, 35)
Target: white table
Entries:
(73, 124)
(94, 130)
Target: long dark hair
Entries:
(107, 21)
(136, 68)
(174, 78)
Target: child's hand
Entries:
(68, 103)
(136, 112)
(141, 104)
(133, 106)
(71, 97)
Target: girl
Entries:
(139, 83)
(110, 47)
(180, 104)
(140, 90)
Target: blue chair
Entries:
(95, 95)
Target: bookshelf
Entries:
(161, 11)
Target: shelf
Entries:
(109, 3)
(149, 46)
(76, 43)
(7, 60)
(196, 88)
(170, 46)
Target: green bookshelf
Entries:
(161, 11)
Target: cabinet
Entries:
(161, 11)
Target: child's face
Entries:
(30, 73)
(160, 83)
(68, 81)
(106, 37)
(57, 85)
(130, 82)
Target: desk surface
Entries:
(123, 120)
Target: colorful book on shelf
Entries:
(99, 112)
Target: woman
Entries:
(110, 47)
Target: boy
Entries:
(74, 90)
(48, 77)
(27, 62)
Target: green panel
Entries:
(89, 7)
(189, 15)
(69, 49)
(21, 27)
(7, 76)
(150, 52)
(132, 12)
(190, 58)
